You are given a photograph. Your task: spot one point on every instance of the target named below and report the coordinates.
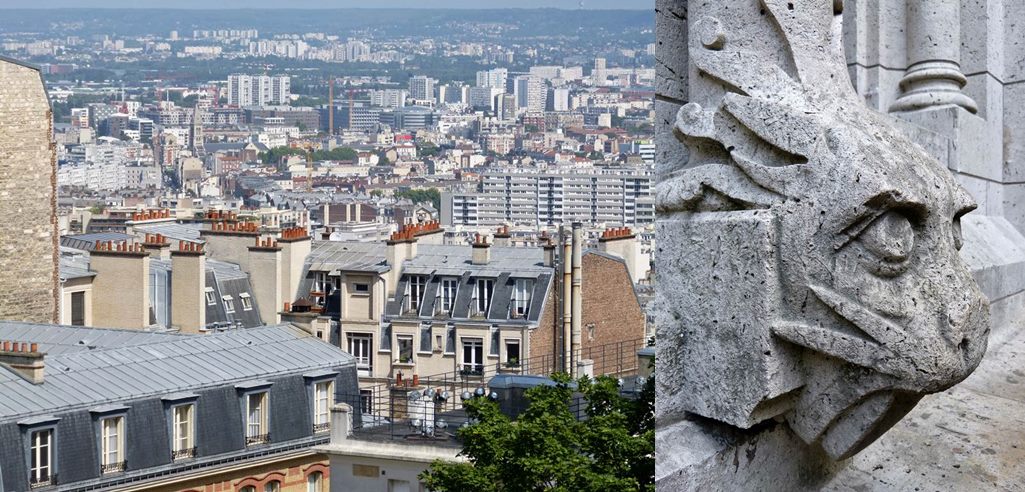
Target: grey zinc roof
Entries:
(444, 259)
(75, 266)
(86, 242)
(57, 339)
(328, 256)
(174, 231)
(160, 365)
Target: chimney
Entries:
(549, 249)
(188, 287)
(577, 292)
(158, 245)
(296, 245)
(481, 250)
(265, 265)
(24, 359)
(341, 422)
(226, 238)
(622, 242)
(430, 232)
(502, 237)
(121, 287)
(567, 298)
(402, 246)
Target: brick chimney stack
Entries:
(265, 274)
(188, 287)
(296, 245)
(402, 245)
(622, 242)
(121, 287)
(481, 250)
(24, 359)
(158, 245)
(503, 238)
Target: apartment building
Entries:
(596, 196)
(101, 409)
(258, 90)
(417, 307)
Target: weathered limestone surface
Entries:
(28, 235)
(958, 107)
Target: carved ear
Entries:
(711, 188)
(794, 132)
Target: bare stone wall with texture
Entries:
(28, 228)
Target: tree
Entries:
(430, 195)
(547, 448)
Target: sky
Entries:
(421, 4)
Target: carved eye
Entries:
(890, 238)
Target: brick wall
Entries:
(610, 306)
(28, 236)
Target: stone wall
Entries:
(28, 237)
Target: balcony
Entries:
(183, 454)
(257, 439)
(43, 481)
(317, 428)
(113, 467)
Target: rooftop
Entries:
(114, 366)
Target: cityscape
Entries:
(322, 246)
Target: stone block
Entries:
(719, 284)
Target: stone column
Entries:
(933, 78)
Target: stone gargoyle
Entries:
(808, 250)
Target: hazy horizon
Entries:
(330, 4)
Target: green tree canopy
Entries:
(430, 195)
(274, 156)
(547, 448)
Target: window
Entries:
(229, 304)
(247, 301)
(41, 451)
(315, 482)
(361, 289)
(323, 398)
(360, 346)
(521, 297)
(256, 418)
(182, 445)
(112, 444)
(386, 338)
(366, 401)
(512, 353)
(405, 348)
(425, 338)
(493, 348)
(482, 296)
(320, 283)
(249, 488)
(473, 356)
(450, 339)
(447, 295)
(415, 289)
(78, 309)
(272, 486)
(211, 298)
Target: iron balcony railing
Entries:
(183, 454)
(113, 467)
(257, 439)
(45, 480)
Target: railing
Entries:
(183, 454)
(431, 407)
(321, 427)
(257, 439)
(113, 467)
(43, 481)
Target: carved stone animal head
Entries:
(875, 292)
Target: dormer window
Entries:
(522, 290)
(229, 304)
(211, 297)
(415, 289)
(447, 295)
(482, 290)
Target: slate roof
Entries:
(131, 365)
(330, 256)
(174, 231)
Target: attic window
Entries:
(247, 301)
(229, 304)
(211, 298)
